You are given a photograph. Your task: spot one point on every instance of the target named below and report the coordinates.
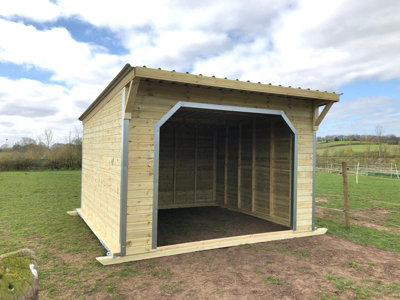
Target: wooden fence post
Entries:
(391, 169)
(358, 168)
(345, 194)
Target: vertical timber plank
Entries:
(215, 166)
(271, 170)
(315, 116)
(196, 144)
(226, 166)
(253, 167)
(174, 164)
(239, 200)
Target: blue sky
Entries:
(57, 56)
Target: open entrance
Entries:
(222, 171)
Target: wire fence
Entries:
(383, 170)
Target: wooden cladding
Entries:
(244, 165)
(187, 166)
(254, 169)
(101, 172)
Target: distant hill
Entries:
(358, 151)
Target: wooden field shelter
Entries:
(155, 140)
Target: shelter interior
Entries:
(235, 160)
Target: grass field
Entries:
(391, 149)
(33, 214)
(374, 206)
(337, 143)
(355, 146)
(358, 152)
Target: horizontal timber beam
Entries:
(210, 244)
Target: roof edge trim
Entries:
(125, 70)
(192, 79)
(201, 80)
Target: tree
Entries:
(48, 137)
(379, 135)
(392, 139)
(26, 141)
(4, 147)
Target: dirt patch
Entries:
(370, 217)
(320, 199)
(304, 268)
(378, 214)
(203, 223)
(70, 258)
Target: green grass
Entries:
(172, 287)
(367, 289)
(371, 192)
(353, 152)
(33, 215)
(356, 266)
(362, 234)
(356, 146)
(275, 280)
(337, 143)
(38, 202)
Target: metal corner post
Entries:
(314, 177)
(294, 180)
(124, 179)
(295, 140)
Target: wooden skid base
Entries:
(72, 213)
(210, 244)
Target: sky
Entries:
(57, 56)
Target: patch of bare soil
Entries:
(370, 217)
(203, 223)
(303, 268)
(321, 199)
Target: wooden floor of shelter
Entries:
(202, 223)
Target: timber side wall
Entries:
(101, 171)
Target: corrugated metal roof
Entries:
(210, 81)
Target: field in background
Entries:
(33, 214)
(353, 152)
(332, 147)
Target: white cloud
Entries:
(38, 10)
(27, 107)
(308, 43)
(362, 115)
(311, 47)
(54, 50)
(206, 15)
(311, 43)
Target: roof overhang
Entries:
(206, 81)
